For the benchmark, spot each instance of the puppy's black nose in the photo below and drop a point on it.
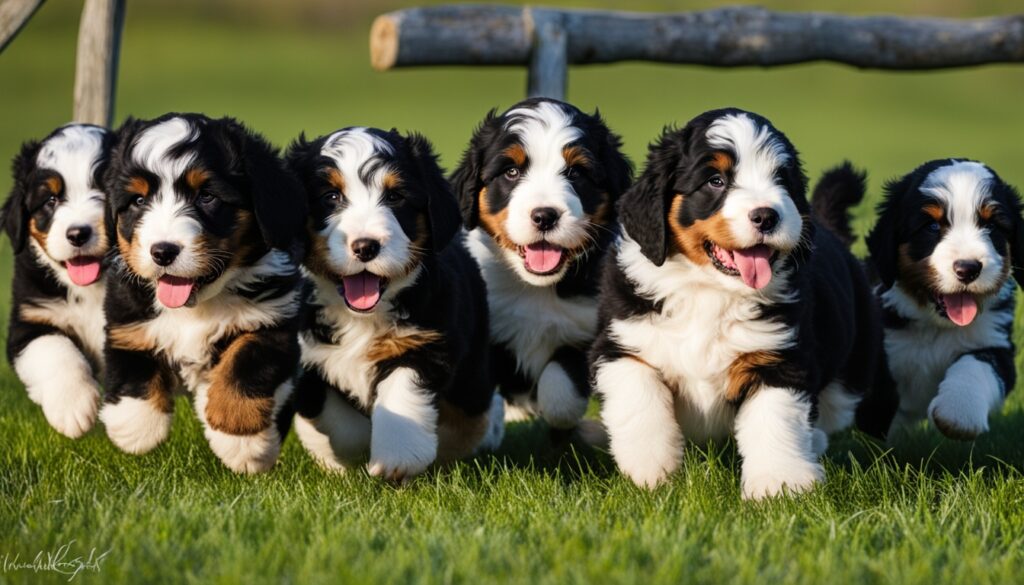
(545, 218)
(967, 270)
(78, 235)
(366, 249)
(764, 219)
(164, 253)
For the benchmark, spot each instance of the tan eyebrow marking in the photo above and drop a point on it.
(987, 210)
(576, 155)
(138, 186)
(54, 184)
(934, 210)
(516, 153)
(391, 180)
(721, 162)
(196, 178)
(335, 178)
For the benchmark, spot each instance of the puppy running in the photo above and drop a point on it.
(395, 345)
(54, 218)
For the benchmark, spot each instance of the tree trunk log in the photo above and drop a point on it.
(99, 47)
(13, 16)
(727, 37)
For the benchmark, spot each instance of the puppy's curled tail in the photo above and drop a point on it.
(839, 189)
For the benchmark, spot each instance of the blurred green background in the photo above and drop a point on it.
(285, 67)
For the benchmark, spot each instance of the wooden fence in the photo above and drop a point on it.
(548, 40)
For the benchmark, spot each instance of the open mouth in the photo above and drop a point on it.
(960, 308)
(83, 270)
(362, 291)
(543, 258)
(175, 291)
(753, 265)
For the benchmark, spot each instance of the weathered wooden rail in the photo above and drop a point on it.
(99, 43)
(548, 40)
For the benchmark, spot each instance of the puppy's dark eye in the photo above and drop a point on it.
(331, 197)
(573, 173)
(934, 227)
(716, 182)
(139, 201)
(392, 196)
(206, 198)
(512, 174)
(52, 201)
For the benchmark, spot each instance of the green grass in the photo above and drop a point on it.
(930, 511)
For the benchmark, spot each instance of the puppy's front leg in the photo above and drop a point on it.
(973, 387)
(638, 411)
(403, 435)
(59, 378)
(251, 381)
(776, 440)
(563, 389)
(138, 404)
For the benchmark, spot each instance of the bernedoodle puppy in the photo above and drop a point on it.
(727, 310)
(948, 238)
(205, 292)
(395, 346)
(54, 218)
(537, 187)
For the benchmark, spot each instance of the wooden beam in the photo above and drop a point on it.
(14, 14)
(726, 37)
(549, 68)
(99, 48)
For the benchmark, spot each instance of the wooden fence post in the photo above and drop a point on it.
(549, 55)
(13, 16)
(96, 63)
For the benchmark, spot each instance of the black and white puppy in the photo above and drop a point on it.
(394, 348)
(537, 187)
(724, 311)
(947, 240)
(207, 289)
(54, 218)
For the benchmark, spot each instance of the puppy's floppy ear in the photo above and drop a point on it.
(301, 153)
(882, 240)
(15, 212)
(467, 179)
(442, 208)
(1017, 240)
(618, 169)
(643, 209)
(278, 200)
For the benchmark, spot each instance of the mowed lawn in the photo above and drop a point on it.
(928, 511)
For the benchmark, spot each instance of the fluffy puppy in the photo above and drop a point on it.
(54, 218)
(394, 347)
(724, 311)
(207, 289)
(947, 238)
(537, 187)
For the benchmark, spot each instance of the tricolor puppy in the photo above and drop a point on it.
(394, 348)
(54, 217)
(538, 186)
(207, 289)
(948, 237)
(724, 311)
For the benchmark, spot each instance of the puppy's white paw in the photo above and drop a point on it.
(135, 426)
(558, 399)
(958, 417)
(648, 474)
(246, 453)
(71, 410)
(797, 476)
(399, 448)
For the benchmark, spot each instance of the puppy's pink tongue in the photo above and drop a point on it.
(961, 308)
(83, 270)
(362, 291)
(754, 266)
(174, 291)
(543, 257)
